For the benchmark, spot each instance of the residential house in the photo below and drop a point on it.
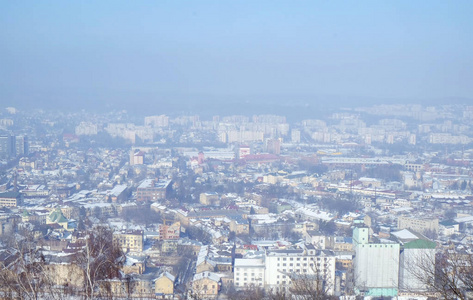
(164, 284)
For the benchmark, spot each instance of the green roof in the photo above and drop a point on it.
(420, 244)
(10, 195)
(57, 217)
(448, 223)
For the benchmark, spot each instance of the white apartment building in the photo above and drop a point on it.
(249, 272)
(157, 121)
(284, 265)
(86, 128)
(277, 269)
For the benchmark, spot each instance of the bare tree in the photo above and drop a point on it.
(314, 286)
(130, 285)
(277, 294)
(448, 274)
(100, 259)
(24, 275)
(250, 292)
(316, 282)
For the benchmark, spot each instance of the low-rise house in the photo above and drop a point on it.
(212, 199)
(239, 225)
(205, 265)
(134, 265)
(164, 284)
(343, 244)
(206, 285)
(129, 241)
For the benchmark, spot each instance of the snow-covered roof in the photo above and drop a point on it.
(405, 234)
(168, 275)
(466, 219)
(249, 262)
(118, 189)
(316, 214)
(210, 275)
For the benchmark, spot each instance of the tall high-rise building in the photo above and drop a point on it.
(295, 136)
(13, 146)
(21, 145)
(273, 146)
(6, 146)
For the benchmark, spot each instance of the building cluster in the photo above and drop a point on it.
(368, 202)
(432, 125)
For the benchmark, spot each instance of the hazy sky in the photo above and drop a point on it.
(68, 50)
